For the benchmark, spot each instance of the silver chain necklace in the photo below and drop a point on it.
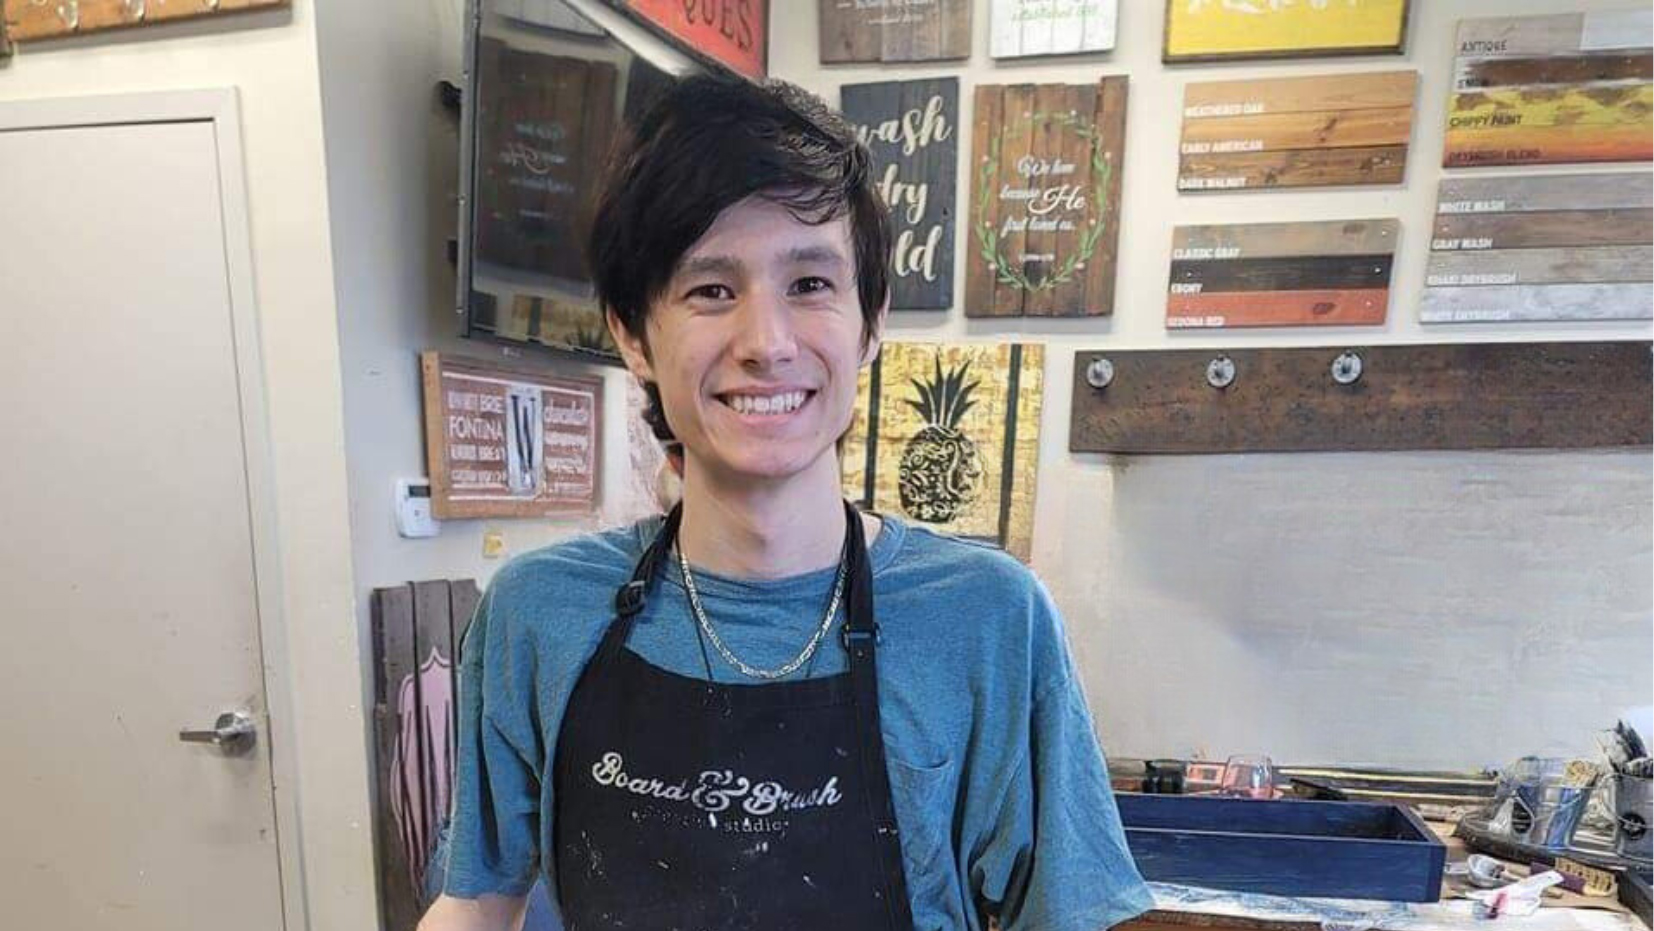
(731, 658)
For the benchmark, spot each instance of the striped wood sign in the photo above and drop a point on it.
(1552, 247)
(1573, 87)
(912, 128)
(894, 30)
(1281, 274)
(1020, 28)
(1296, 132)
(1045, 199)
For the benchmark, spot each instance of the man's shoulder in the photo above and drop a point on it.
(595, 560)
(928, 557)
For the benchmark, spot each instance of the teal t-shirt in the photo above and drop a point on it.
(998, 779)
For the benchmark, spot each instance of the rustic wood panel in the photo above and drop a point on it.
(1545, 192)
(1288, 273)
(1293, 168)
(1306, 307)
(1296, 132)
(1459, 396)
(1552, 89)
(1020, 28)
(482, 463)
(890, 30)
(394, 663)
(1549, 228)
(1259, 240)
(912, 129)
(27, 21)
(1598, 264)
(1500, 303)
(1045, 198)
(1207, 30)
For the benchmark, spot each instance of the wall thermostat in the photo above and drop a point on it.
(413, 508)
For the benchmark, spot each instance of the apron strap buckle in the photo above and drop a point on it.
(629, 599)
(849, 634)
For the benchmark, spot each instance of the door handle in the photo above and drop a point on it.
(234, 732)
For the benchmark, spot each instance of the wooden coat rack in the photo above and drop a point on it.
(32, 20)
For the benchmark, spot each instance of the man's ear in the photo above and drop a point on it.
(875, 334)
(632, 349)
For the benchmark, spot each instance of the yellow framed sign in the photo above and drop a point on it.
(1219, 30)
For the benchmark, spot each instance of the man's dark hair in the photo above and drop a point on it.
(709, 142)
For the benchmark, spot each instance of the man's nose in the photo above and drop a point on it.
(764, 332)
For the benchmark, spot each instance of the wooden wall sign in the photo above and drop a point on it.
(894, 30)
(913, 129)
(417, 632)
(1051, 27)
(501, 442)
(1045, 198)
(1574, 87)
(1296, 132)
(1217, 30)
(732, 33)
(543, 128)
(29, 20)
(1549, 247)
(1460, 396)
(1281, 274)
(948, 436)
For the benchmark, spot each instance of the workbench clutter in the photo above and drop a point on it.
(32, 20)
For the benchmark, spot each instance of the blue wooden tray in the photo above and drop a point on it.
(1346, 850)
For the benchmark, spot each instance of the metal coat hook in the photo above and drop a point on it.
(135, 9)
(1346, 369)
(69, 12)
(1220, 372)
(1100, 373)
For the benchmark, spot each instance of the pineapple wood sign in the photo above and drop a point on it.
(947, 435)
(1045, 199)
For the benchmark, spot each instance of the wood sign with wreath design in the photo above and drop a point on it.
(1045, 199)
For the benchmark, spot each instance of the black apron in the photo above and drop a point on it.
(701, 806)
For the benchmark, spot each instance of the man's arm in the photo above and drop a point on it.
(485, 913)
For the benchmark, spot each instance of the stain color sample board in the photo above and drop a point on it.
(894, 30)
(1045, 175)
(1332, 273)
(1296, 132)
(1537, 90)
(1221, 30)
(1020, 28)
(1474, 395)
(912, 128)
(1547, 247)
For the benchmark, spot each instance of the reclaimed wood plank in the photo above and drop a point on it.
(1110, 122)
(1546, 192)
(1477, 395)
(989, 111)
(1619, 227)
(1557, 145)
(848, 32)
(1503, 303)
(1016, 143)
(1289, 273)
(1070, 296)
(1020, 28)
(1263, 240)
(1313, 93)
(858, 31)
(1358, 307)
(1292, 168)
(1591, 265)
(28, 21)
(1048, 147)
(1307, 130)
(1479, 73)
(1554, 34)
(392, 622)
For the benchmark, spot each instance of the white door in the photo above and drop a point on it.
(127, 582)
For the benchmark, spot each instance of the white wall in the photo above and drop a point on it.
(1410, 609)
(271, 59)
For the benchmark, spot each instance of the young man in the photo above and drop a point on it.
(769, 711)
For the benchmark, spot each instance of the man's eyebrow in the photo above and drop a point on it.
(709, 265)
(825, 255)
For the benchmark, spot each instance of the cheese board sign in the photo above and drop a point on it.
(912, 128)
(1546, 247)
(1541, 90)
(1045, 199)
(1281, 274)
(504, 442)
(1323, 129)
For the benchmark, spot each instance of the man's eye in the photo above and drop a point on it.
(811, 285)
(714, 292)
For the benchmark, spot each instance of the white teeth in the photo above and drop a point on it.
(767, 404)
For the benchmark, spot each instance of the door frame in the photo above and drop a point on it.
(221, 109)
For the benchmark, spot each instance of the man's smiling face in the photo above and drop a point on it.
(755, 344)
